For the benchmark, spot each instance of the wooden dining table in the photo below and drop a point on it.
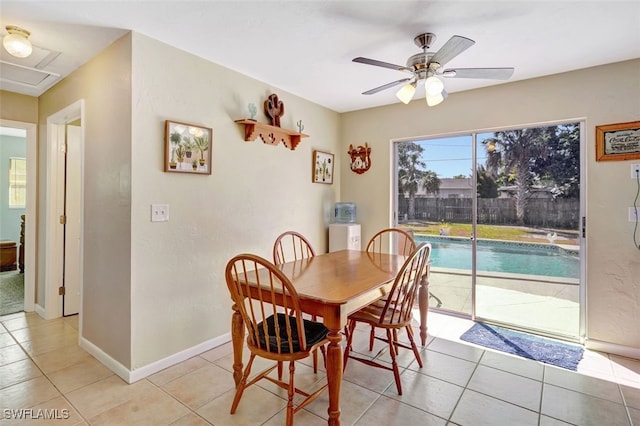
(332, 286)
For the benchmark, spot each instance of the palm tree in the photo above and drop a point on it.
(513, 153)
(412, 174)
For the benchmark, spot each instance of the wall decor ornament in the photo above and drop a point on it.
(322, 167)
(274, 108)
(618, 141)
(360, 158)
(188, 148)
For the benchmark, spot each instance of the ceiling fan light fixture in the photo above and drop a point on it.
(434, 100)
(434, 86)
(17, 42)
(406, 92)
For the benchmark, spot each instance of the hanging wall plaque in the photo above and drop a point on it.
(360, 158)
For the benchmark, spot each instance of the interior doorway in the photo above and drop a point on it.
(63, 235)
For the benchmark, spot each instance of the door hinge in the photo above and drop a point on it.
(63, 220)
(61, 290)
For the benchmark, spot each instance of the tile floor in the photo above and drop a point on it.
(43, 369)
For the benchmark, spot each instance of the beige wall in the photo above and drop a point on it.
(256, 191)
(16, 107)
(600, 95)
(105, 85)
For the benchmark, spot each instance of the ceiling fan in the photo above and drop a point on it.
(427, 66)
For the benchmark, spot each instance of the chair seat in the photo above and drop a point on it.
(314, 333)
(371, 314)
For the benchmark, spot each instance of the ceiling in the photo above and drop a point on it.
(307, 47)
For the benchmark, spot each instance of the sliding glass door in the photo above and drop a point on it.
(502, 211)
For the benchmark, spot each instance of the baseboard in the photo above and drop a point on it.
(40, 311)
(612, 348)
(131, 376)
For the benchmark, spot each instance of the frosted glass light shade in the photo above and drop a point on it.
(17, 42)
(434, 100)
(406, 92)
(434, 86)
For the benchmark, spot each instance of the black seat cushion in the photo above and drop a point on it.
(314, 333)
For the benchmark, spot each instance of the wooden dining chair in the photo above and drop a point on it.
(394, 241)
(271, 312)
(394, 314)
(288, 247)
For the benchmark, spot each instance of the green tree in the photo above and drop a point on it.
(513, 153)
(487, 185)
(412, 174)
(560, 169)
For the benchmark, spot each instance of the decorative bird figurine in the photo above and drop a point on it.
(552, 237)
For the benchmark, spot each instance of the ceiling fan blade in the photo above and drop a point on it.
(386, 86)
(488, 73)
(452, 48)
(376, 63)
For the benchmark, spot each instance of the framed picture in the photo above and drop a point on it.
(187, 148)
(322, 167)
(615, 142)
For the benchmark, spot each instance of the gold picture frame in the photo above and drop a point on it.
(322, 167)
(618, 142)
(187, 148)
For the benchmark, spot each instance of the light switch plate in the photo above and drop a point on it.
(632, 214)
(159, 212)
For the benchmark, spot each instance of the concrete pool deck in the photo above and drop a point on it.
(548, 304)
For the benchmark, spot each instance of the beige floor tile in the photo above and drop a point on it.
(303, 417)
(256, 407)
(581, 409)
(426, 393)
(372, 378)
(200, 386)
(52, 329)
(49, 343)
(28, 393)
(457, 349)
(86, 371)
(481, 410)
(387, 411)
(513, 364)
(635, 416)
(106, 394)
(168, 374)
(626, 369)
(549, 421)
(191, 419)
(508, 387)
(152, 408)
(631, 396)
(23, 320)
(12, 353)
(446, 367)
(355, 401)
(17, 372)
(6, 340)
(589, 385)
(58, 359)
(217, 353)
(73, 321)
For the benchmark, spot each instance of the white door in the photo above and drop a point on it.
(73, 185)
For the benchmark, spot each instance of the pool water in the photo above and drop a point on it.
(495, 256)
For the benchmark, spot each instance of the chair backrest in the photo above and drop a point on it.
(291, 246)
(393, 240)
(268, 303)
(399, 303)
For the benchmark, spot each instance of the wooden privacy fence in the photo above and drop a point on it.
(540, 212)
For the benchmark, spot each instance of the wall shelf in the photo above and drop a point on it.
(270, 135)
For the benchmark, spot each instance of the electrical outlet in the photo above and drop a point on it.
(635, 170)
(633, 214)
(159, 212)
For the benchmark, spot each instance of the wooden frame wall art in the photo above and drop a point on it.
(322, 167)
(616, 142)
(187, 148)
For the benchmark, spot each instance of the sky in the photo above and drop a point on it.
(451, 156)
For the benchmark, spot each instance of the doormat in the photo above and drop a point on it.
(11, 292)
(525, 345)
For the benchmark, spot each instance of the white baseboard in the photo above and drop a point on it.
(131, 376)
(40, 311)
(612, 348)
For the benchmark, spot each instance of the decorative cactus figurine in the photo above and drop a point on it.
(274, 108)
(252, 111)
(300, 126)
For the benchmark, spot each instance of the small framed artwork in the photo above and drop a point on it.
(616, 142)
(322, 167)
(187, 148)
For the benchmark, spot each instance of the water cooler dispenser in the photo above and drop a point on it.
(344, 233)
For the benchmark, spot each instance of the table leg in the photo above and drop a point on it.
(237, 337)
(334, 375)
(423, 303)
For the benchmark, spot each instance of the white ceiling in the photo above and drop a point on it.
(307, 47)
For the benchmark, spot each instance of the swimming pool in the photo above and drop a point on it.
(497, 256)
